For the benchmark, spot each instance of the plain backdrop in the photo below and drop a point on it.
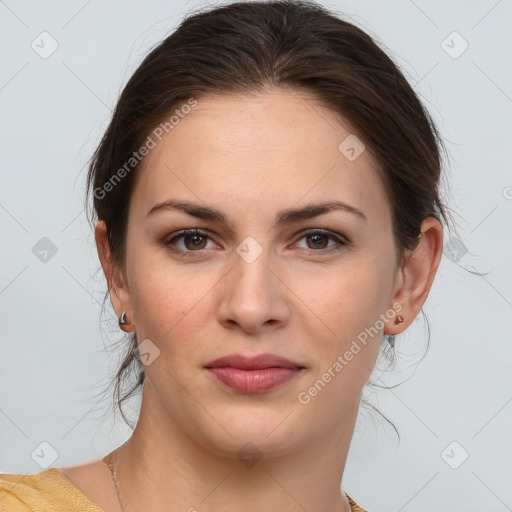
(454, 414)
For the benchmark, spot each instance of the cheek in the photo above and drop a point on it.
(344, 300)
(349, 304)
(169, 301)
(345, 354)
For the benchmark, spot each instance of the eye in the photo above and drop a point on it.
(195, 240)
(319, 238)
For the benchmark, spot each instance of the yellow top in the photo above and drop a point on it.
(51, 491)
(48, 491)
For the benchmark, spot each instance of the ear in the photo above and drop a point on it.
(415, 276)
(117, 283)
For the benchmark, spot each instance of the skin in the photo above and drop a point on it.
(251, 157)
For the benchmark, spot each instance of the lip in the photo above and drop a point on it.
(254, 374)
(257, 362)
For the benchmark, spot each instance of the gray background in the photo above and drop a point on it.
(53, 353)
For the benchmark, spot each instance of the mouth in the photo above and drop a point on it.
(254, 374)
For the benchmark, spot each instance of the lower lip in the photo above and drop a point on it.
(254, 381)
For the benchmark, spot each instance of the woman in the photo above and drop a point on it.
(268, 219)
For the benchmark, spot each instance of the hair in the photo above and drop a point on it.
(251, 47)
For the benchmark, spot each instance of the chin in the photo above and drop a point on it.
(260, 430)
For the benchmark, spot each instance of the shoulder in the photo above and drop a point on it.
(48, 490)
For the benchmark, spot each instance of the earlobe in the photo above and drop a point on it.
(417, 275)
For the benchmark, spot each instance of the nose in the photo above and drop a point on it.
(254, 295)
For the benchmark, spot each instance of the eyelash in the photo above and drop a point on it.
(341, 241)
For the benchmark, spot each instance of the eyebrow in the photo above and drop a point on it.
(283, 217)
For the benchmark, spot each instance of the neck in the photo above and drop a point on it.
(162, 467)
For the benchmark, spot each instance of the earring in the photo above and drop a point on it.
(399, 319)
(123, 322)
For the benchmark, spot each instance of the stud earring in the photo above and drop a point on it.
(123, 322)
(399, 319)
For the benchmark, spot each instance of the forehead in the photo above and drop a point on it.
(262, 152)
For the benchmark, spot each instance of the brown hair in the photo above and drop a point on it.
(246, 47)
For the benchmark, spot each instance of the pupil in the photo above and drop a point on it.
(196, 239)
(316, 237)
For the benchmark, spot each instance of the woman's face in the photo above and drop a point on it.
(262, 280)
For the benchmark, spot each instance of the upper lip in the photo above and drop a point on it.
(257, 362)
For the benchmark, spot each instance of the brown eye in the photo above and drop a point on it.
(318, 240)
(194, 240)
